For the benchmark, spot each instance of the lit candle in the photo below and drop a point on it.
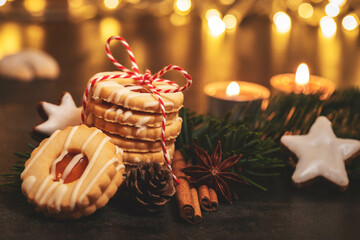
(302, 82)
(224, 96)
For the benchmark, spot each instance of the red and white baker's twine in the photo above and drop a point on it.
(142, 79)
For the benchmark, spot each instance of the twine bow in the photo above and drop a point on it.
(145, 80)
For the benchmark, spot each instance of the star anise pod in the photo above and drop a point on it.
(213, 172)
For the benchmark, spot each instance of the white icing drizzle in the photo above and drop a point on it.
(113, 107)
(69, 137)
(85, 173)
(118, 113)
(142, 121)
(41, 188)
(29, 183)
(139, 130)
(129, 97)
(151, 104)
(100, 85)
(119, 93)
(134, 87)
(57, 196)
(119, 150)
(89, 139)
(127, 114)
(38, 153)
(171, 104)
(63, 153)
(119, 167)
(71, 165)
(112, 161)
(48, 191)
(53, 165)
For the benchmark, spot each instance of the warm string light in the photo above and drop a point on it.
(340, 3)
(182, 7)
(332, 10)
(217, 26)
(306, 10)
(109, 27)
(328, 26)
(230, 21)
(111, 4)
(282, 22)
(35, 7)
(350, 22)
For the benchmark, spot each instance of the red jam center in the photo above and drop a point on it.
(76, 170)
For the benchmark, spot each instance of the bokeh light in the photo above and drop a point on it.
(111, 4)
(328, 26)
(230, 21)
(282, 22)
(332, 10)
(305, 10)
(182, 6)
(212, 13)
(340, 3)
(178, 20)
(35, 7)
(109, 26)
(2, 2)
(227, 2)
(350, 22)
(216, 26)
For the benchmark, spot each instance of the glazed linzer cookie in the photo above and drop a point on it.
(72, 173)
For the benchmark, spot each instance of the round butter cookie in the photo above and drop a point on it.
(140, 133)
(129, 94)
(72, 173)
(114, 113)
(134, 145)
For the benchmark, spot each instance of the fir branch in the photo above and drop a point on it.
(12, 178)
(236, 138)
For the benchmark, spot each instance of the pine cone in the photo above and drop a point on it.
(151, 185)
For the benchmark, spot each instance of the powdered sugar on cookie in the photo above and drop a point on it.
(59, 116)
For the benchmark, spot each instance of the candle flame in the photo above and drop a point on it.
(302, 74)
(233, 89)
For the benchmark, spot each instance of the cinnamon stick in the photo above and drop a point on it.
(183, 194)
(208, 198)
(197, 213)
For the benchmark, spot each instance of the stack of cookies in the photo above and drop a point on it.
(130, 114)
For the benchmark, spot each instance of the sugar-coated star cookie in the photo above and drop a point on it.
(58, 117)
(321, 154)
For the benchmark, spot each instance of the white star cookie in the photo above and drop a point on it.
(58, 117)
(321, 154)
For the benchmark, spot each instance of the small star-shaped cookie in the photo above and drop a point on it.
(58, 117)
(321, 154)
